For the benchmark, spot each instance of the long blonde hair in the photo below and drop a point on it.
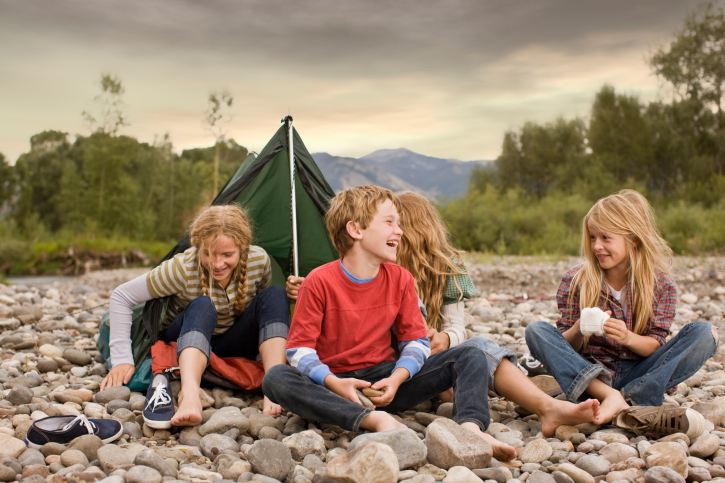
(426, 252)
(628, 214)
(215, 221)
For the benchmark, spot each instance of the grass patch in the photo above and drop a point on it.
(51, 257)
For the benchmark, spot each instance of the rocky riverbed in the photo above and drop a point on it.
(51, 367)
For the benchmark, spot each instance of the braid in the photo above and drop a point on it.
(242, 283)
(212, 223)
(203, 278)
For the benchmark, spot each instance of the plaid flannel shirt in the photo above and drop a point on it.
(603, 349)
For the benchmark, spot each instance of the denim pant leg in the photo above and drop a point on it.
(266, 316)
(494, 354)
(569, 368)
(647, 380)
(288, 387)
(461, 368)
(193, 327)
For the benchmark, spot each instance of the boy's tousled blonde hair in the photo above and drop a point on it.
(426, 252)
(628, 214)
(358, 205)
(215, 221)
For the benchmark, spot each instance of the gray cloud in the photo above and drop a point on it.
(380, 66)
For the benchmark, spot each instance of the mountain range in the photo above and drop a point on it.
(399, 170)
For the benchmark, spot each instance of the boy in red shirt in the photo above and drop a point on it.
(340, 340)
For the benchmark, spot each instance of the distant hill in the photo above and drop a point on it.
(399, 170)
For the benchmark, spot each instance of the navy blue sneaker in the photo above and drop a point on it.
(64, 429)
(531, 367)
(159, 407)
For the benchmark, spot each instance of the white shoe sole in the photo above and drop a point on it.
(114, 437)
(157, 424)
(695, 423)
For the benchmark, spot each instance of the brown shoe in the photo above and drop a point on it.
(661, 420)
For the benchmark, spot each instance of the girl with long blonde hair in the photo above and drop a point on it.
(441, 278)
(221, 301)
(624, 282)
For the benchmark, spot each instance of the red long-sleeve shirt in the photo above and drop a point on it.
(348, 323)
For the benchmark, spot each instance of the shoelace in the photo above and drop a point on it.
(654, 422)
(160, 397)
(84, 422)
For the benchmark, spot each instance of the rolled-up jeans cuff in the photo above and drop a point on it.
(584, 378)
(359, 418)
(498, 355)
(195, 339)
(273, 329)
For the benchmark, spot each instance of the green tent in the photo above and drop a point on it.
(262, 186)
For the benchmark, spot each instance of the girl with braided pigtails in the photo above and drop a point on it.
(222, 301)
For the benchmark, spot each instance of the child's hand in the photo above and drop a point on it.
(118, 376)
(389, 386)
(293, 286)
(345, 387)
(617, 331)
(439, 341)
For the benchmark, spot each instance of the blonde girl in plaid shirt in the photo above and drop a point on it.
(442, 282)
(627, 258)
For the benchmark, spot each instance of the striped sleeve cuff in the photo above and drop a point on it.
(413, 354)
(308, 363)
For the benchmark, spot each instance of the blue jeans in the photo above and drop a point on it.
(494, 353)
(460, 367)
(266, 316)
(643, 381)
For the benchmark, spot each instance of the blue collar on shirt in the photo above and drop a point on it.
(354, 278)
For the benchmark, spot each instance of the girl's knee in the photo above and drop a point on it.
(704, 330)
(536, 330)
(201, 310)
(203, 302)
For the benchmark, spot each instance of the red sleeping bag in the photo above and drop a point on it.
(231, 372)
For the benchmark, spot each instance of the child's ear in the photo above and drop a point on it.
(635, 241)
(353, 229)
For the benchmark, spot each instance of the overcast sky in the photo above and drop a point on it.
(444, 78)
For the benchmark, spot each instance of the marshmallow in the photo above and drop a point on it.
(592, 321)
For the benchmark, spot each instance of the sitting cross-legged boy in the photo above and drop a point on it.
(340, 339)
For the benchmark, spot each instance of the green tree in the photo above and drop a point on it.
(694, 64)
(38, 172)
(542, 157)
(620, 136)
(7, 182)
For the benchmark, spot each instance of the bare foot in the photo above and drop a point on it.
(564, 412)
(380, 421)
(271, 409)
(610, 407)
(446, 396)
(189, 411)
(501, 451)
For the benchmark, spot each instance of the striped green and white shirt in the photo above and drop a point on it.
(179, 277)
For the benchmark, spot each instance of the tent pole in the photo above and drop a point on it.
(290, 134)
